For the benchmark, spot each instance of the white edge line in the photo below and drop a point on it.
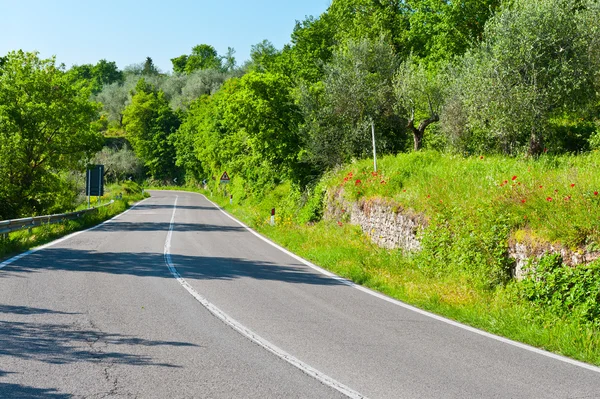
(225, 318)
(404, 305)
(58, 241)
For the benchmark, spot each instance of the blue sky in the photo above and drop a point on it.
(82, 31)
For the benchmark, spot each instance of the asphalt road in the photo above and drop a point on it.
(183, 302)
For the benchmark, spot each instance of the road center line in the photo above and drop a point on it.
(245, 331)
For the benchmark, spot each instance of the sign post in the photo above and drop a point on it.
(94, 182)
(225, 178)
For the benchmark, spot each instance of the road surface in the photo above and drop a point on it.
(174, 299)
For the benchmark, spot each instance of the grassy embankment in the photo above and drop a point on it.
(474, 206)
(23, 240)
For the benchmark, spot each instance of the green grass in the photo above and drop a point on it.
(23, 240)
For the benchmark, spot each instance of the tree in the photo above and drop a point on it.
(45, 131)
(149, 123)
(119, 163)
(149, 68)
(263, 56)
(97, 76)
(534, 64)
(312, 44)
(441, 29)
(419, 98)
(356, 92)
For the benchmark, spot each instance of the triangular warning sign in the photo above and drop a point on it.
(224, 177)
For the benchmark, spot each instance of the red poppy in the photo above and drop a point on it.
(357, 182)
(572, 185)
(541, 186)
(549, 199)
(523, 200)
(514, 178)
(595, 192)
(339, 223)
(505, 181)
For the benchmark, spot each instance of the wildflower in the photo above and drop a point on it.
(525, 217)
(523, 200)
(383, 182)
(373, 173)
(428, 196)
(343, 210)
(481, 157)
(555, 191)
(549, 199)
(572, 185)
(357, 182)
(505, 181)
(541, 186)
(403, 191)
(514, 178)
(568, 198)
(595, 192)
(340, 224)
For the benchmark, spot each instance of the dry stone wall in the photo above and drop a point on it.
(386, 223)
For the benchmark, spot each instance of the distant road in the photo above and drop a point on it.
(175, 299)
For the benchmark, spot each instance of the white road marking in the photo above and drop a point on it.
(409, 307)
(34, 250)
(245, 331)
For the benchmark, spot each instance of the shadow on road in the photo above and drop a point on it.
(153, 265)
(170, 207)
(24, 310)
(22, 391)
(158, 226)
(58, 343)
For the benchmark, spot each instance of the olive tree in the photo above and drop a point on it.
(533, 64)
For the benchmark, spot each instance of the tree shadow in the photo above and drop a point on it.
(56, 343)
(145, 264)
(154, 226)
(22, 391)
(170, 206)
(25, 310)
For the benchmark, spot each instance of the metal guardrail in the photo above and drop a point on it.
(8, 226)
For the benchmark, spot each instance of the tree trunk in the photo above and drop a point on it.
(536, 144)
(419, 132)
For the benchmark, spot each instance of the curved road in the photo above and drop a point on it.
(174, 299)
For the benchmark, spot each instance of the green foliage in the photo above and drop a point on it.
(119, 164)
(439, 30)
(150, 122)
(532, 65)
(420, 97)
(356, 91)
(263, 56)
(96, 76)
(45, 131)
(566, 291)
(204, 56)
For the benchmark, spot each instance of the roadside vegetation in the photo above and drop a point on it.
(474, 206)
(485, 117)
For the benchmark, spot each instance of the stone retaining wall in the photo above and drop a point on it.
(391, 226)
(386, 223)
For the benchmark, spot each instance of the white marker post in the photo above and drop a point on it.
(273, 217)
(374, 151)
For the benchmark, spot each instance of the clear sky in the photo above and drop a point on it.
(127, 31)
